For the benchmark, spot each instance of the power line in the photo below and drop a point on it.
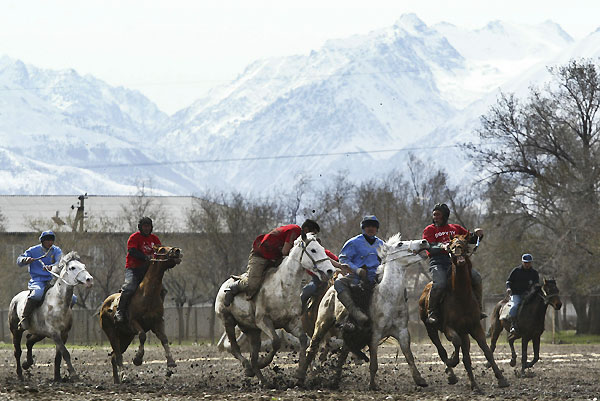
(239, 159)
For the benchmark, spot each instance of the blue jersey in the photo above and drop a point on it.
(36, 269)
(357, 253)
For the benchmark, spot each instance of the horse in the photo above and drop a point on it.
(145, 313)
(53, 318)
(276, 305)
(388, 310)
(530, 317)
(460, 317)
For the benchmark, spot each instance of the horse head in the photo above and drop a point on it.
(167, 255)
(316, 259)
(549, 292)
(410, 251)
(458, 250)
(73, 271)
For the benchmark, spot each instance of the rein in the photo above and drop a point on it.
(304, 251)
(62, 279)
(546, 297)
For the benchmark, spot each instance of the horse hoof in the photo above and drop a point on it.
(513, 362)
(138, 361)
(503, 383)
(373, 387)
(171, 364)
(419, 381)
(476, 390)
(74, 378)
(249, 372)
(452, 379)
(488, 365)
(26, 365)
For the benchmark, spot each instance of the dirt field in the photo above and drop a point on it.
(564, 372)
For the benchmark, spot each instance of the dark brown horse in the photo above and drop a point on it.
(530, 318)
(145, 311)
(460, 317)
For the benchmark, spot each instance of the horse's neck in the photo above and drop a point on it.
(61, 291)
(392, 281)
(290, 271)
(152, 282)
(461, 282)
(535, 308)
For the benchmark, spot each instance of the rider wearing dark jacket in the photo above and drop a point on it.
(438, 235)
(519, 281)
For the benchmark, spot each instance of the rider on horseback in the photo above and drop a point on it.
(359, 254)
(139, 252)
(267, 250)
(519, 281)
(40, 258)
(311, 288)
(438, 234)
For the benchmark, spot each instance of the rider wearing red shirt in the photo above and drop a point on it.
(267, 250)
(139, 252)
(438, 234)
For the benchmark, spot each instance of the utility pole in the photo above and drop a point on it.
(80, 214)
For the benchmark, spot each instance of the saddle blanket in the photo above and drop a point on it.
(504, 311)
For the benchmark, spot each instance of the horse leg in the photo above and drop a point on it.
(434, 336)
(31, 340)
(60, 340)
(299, 333)
(513, 353)
(57, 362)
(17, 335)
(234, 347)
(496, 330)
(456, 340)
(466, 347)
(139, 355)
(404, 341)
(479, 336)
(524, 343)
(373, 365)
(322, 327)
(536, 351)
(159, 331)
(255, 344)
(266, 325)
(339, 365)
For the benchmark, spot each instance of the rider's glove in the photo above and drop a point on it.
(362, 273)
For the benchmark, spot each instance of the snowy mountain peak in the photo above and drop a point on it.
(411, 23)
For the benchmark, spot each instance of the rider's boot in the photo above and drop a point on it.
(514, 328)
(122, 309)
(30, 305)
(478, 292)
(231, 292)
(435, 295)
(354, 311)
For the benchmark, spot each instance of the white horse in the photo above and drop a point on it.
(53, 318)
(276, 305)
(388, 310)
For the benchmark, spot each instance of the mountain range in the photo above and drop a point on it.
(357, 106)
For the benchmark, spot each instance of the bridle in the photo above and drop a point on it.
(64, 270)
(546, 297)
(305, 251)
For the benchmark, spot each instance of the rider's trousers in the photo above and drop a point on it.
(251, 282)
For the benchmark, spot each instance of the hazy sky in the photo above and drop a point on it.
(174, 51)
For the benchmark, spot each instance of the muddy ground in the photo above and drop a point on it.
(564, 372)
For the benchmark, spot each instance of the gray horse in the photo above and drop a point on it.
(53, 318)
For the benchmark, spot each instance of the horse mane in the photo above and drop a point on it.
(530, 295)
(68, 258)
(393, 241)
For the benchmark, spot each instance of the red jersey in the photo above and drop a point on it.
(269, 245)
(433, 233)
(142, 243)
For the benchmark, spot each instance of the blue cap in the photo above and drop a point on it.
(369, 221)
(48, 233)
(526, 258)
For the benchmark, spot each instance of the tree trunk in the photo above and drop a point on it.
(583, 322)
(180, 325)
(594, 315)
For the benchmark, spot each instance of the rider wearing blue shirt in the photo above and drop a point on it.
(48, 254)
(359, 254)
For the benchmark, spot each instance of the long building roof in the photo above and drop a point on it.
(24, 213)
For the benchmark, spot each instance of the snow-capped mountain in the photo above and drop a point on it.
(401, 87)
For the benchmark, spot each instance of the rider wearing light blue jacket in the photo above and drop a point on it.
(48, 254)
(360, 255)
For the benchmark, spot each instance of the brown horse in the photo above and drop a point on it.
(145, 311)
(530, 317)
(460, 317)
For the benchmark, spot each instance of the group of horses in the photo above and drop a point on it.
(277, 305)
